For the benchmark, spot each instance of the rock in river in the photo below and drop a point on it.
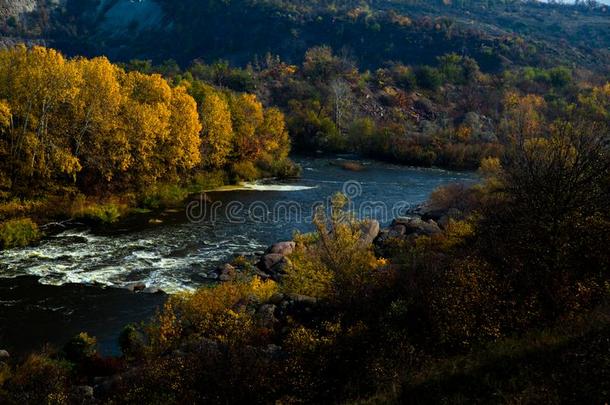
(282, 248)
(4, 355)
(370, 229)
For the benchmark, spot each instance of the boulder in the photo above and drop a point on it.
(152, 290)
(444, 221)
(266, 316)
(136, 287)
(396, 231)
(277, 298)
(262, 275)
(370, 230)
(302, 299)
(4, 355)
(273, 263)
(417, 226)
(282, 248)
(84, 392)
(226, 272)
(426, 211)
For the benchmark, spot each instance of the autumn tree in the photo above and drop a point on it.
(37, 84)
(88, 121)
(217, 135)
(97, 139)
(247, 116)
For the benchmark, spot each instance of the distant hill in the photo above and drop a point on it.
(496, 33)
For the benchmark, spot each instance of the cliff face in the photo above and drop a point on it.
(16, 8)
(42, 21)
(123, 16)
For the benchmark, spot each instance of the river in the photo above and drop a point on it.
(64, 285)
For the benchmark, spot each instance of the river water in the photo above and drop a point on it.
(58, 288)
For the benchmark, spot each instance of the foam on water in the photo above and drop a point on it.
(274, 187)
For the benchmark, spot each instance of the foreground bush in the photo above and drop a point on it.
(335, 263)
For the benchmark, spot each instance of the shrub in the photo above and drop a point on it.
(131, 341)
(335, 263)
(428, 78)
(39, 380)
(80, 347)
(244, 171)
(280, 168)
(455, 195)
(163, 196)
(219, 313)
(18, 232)
(465, 306)
(104, 213)
(18, 208)
(209, 180)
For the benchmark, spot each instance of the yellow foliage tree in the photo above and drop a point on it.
(182, 149)
(98, 141)
(61, 117)
(523, 118)
(217, 136)
(273, 134)
(247, 116)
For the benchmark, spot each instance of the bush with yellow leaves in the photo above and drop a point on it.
(224, 313)
(333, 263)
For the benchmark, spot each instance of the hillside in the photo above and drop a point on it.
(496, 34)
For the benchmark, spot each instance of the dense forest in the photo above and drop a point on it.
(492, 293)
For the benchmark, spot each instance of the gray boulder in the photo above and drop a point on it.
(282, 248)
(302, 299)
(370, 230)
(274, 263)
(396, 231)
(4, 355)
(417, 226)
(266, 316)
(136, 287)
(226, 272)
(152, 290)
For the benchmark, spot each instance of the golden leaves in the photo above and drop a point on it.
(217, 138)
(70, 115)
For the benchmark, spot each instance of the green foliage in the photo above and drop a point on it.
(164, 196)
(131, 341)
(428, 77)
(410, 31)
(97, 212)
(208, 180)
(18, 233)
